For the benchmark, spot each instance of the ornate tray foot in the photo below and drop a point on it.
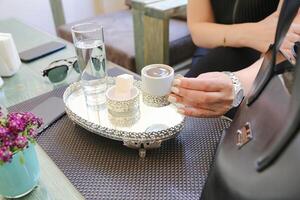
(143, 146)
(142, 153)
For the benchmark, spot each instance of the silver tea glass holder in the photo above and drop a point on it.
(123, 113)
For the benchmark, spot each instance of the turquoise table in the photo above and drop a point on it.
(28, 83)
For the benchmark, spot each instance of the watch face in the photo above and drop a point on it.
(238, 98)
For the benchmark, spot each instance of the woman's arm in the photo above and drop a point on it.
(248, 75)
(206, 33)
(210, 94)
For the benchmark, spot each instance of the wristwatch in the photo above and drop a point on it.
(238, 91)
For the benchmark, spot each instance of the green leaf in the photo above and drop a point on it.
(3, 122)
(32, 140)
(22, 158)
(25, 132)
(15, 149)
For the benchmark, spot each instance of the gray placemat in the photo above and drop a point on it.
(101, 168)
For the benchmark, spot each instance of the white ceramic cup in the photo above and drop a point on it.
(9, 58)
(156, 84)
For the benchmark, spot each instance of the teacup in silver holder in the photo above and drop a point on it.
(155, 101)
(156, 84)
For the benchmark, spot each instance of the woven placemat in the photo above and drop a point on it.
(101, 168)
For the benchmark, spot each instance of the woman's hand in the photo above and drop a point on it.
(262, 33)
(289, 41)
(208, 95)
(291, 37)
(265, 34)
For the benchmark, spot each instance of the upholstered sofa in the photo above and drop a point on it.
(119, 37)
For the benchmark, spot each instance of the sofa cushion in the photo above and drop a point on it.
(119, 38)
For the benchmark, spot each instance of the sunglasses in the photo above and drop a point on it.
(57, 71)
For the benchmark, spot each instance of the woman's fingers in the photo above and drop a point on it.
(201, 99)
(293, 37)
(198, 96)
(208, 82)
(295, 27)
(219, 105)
(186, 102)
(196, 84)
(209, 94)
(197, 112)
(204, 97)
(289, 42)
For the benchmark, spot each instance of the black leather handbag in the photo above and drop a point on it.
(258, 157)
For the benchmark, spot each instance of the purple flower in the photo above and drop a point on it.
(21, 141)
(16, 123)
(29, 118)
(16, 130)
(8, 143)
(32, 132)
(5, 154)
(3, 132)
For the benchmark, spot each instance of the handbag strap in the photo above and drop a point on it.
(288, 12)
(268, 69)
(289, 131)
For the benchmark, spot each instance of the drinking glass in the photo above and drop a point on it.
(88, 39)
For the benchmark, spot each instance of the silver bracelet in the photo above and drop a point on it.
(237, 90)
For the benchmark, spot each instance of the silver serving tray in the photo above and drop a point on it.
(156, 124)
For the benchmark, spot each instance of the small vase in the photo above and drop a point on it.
(20, 176)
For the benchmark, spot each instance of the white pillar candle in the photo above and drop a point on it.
(124, 84)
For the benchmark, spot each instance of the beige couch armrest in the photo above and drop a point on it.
(166, 8)
(151, 29)
(138, 13)
(140, 4)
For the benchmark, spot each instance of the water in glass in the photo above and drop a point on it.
(92, 62)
